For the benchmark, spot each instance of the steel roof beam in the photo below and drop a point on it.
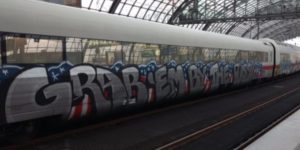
(179, 10)
(294, 15)
(288, 31)
(114, 6)
(274, 28)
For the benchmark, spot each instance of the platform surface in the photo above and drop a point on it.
(284, 136)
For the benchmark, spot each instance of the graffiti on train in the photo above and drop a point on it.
(75, 91)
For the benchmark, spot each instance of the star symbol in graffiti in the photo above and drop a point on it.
(152, 67)
(5, 72)
(62, 69)
(54, 76)
(117, 69)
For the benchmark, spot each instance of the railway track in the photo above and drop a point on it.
(197, 134)
(268, 128)
(152, 112)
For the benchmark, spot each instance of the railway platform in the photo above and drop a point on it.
(283, 136)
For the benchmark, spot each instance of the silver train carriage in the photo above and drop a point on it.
(72, 63)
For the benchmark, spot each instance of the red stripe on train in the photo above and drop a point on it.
(269, 67)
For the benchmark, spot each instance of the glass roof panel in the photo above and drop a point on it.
(212, 13)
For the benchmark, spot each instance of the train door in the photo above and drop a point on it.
(274, 59)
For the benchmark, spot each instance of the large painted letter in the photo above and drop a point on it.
(162, 86)
(83, 78)
(21, 103)
(176, 79)
(133, 86)
(108, 80)
(196, 79)
(214, 71)
(61, 95)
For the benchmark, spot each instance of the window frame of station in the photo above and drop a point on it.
(3, 48)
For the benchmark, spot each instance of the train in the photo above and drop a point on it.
(70, 63)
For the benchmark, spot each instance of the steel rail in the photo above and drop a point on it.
(268, 128)
(197, 134)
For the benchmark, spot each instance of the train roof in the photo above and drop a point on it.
(37, 17)
(283, 47)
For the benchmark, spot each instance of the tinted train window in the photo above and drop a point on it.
(223, 55)
(180, 55)
(216, 55)
(265, 57)
(33, 49)
(75, 49)
(102, 52)
(284, 57)
(197, 55)
(252, 56)
(259, 56)
(166, 52)
(127, 49)
(244, 55)
(231, 55)
(142, 53)
(206, 53)
(211, 54)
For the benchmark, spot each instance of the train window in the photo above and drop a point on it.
(244, 55)
(75, 48)
(33, 49)
(143, 53)
(216, 56)
(265, 57)
(284, 57)
(223, 55)
(231, 55)
(166, 52)
(198, 55)
(180, 55)
(102, 52)
(190, 54)
(258, 56)
(212, 54)
(127, 49)
(252, 56)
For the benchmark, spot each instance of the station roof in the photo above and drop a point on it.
(276, 19)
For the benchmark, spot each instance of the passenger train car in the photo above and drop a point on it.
(69, 63)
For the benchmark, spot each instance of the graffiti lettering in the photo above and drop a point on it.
(83, 90)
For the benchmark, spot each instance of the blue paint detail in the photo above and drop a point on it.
(185, 67)
(172, 64)
(151, 67)
(117, 67)
(8, 71)
(56, 73)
